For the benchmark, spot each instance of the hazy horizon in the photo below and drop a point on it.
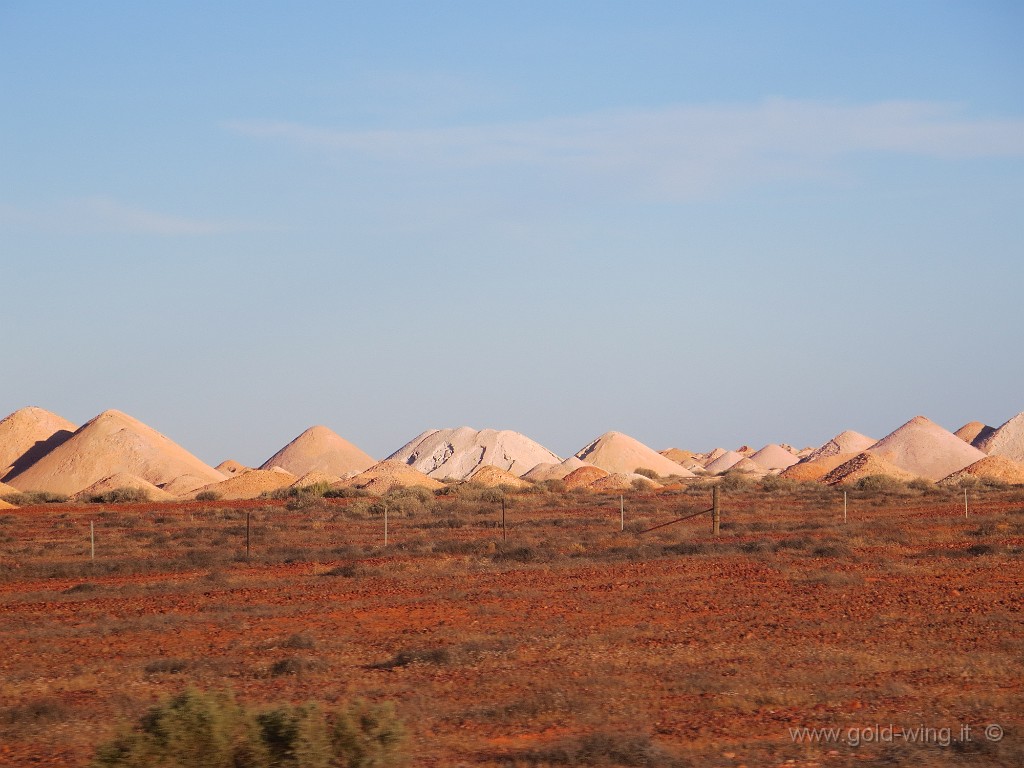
(700, 226)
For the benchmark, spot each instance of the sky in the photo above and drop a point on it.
(701, 224)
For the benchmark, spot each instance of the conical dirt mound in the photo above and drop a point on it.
(494, 477)
(322, 450)
(112, 442)
(808, 470)
(622, 481)
(456, 453)
(724, 462)
(251, 484)
(27, 435)
(230, 467)
(184, 486)
(997, 468)
(387, 475)
(865, 465)
(845, 442)
(583, 477)
(924, 449)
(974, 431)
(615, 452)
(123, 480)
(774, 457)
(1007, 440)
(549, 470)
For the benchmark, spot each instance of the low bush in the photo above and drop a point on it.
(122, 495)
(214, 731)
(645, 472)
(34, 498)
(208, 496)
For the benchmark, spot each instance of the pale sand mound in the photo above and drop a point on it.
(724, 462)
(615, 452)
(123, 480)
(990, 468)
(184, 485)
(456, 453)
(1007, 440)
(251, 484)
(686, 459)
(865, 465)
(231, 467)
(803, 453)
(27, 435)
(816, 469)
(848, 442)
(6, 505)
(315, 478)
(112, 442)
(583, 477)
(387, 475)
(774, 456)
(321, 450)
(622, 481)
(974, 431)
(923, 448)
(549, 470)
(6, 489)
(495, 477)
(712, 455)
(748, 466)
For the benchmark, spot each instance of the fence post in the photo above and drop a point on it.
(92, 541)
(716, 511)
(504, 534)
(248, 528)
(622, 514)
(965, 503)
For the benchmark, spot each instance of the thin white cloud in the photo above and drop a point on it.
(105, 215)
(678, 152)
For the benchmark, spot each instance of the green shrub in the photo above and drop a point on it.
(208, 496)
(645, 472)
(214, 731)
(33, 498)
(880, 484)
(122, 495)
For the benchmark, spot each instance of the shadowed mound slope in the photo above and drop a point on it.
(997, 468)
(865, 465)
(27, 435)
(923, 448)
(774, 456)
(973, 432)
(615, 452)
(456, 453)
(1007, 440)
(387, 475)
(110, 443)
(319, 449)
(123, 480)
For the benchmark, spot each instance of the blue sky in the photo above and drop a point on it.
(700, 224)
